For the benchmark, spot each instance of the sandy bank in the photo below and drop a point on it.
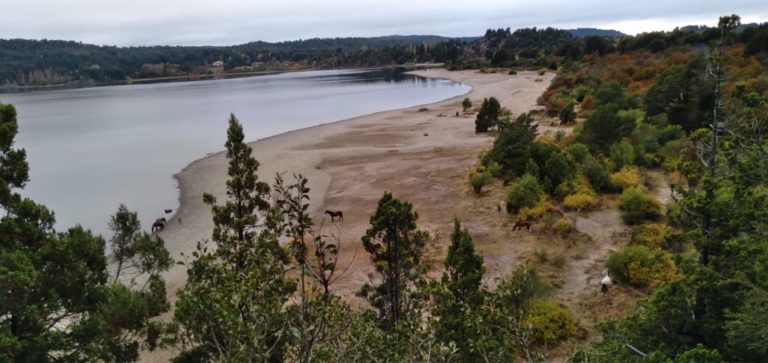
(345, 160)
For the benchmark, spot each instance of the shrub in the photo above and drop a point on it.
(637, 206)
(651, 235)
(525, 192)
(567, 115)
(622, 154)
(549, 321)
(642, 267)
(580, 202)
(543, 206)
(563, 227)
(596, 173)
(625, 178)
(479, 179)
(577, 152)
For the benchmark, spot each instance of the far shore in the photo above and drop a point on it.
(420, 154)
(190, 78)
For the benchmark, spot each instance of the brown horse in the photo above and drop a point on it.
(334, 214)
(159, 225)
(522, 224)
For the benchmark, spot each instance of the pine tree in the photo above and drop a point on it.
(395, 246)
(232, 308)
(460, 294)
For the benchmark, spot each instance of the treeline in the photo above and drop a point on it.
(26, 63)
(697, 116)
(54, 62)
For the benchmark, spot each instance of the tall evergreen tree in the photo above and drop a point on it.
(395, 246)
(460, 295)
(232, 307)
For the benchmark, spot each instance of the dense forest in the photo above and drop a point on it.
(28, 63)
(691, 104)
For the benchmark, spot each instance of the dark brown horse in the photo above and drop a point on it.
(522, 224)
(168, 210)
(159, 225)
(334, 214)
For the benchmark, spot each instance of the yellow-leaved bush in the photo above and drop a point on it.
(549, 322)
(641, 266)
(626, 177)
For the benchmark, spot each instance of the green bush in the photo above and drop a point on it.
(596, 173)
(622, 154)
(637, 206)
(576, 152)
(479, 179)
(642, 267)
(549, 322)
(524, 193)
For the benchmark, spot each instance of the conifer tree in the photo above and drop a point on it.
(460, 294)
(395, 246)
(232, 308)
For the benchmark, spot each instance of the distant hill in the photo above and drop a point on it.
(585, 32)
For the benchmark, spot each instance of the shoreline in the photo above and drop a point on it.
(292, 152)
(420, 156)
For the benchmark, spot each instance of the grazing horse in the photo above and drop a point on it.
(334, 214)
(168, 211)
(521, 225)
(606, 282)
(159, 225)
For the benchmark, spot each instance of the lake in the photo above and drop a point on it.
(91, 149)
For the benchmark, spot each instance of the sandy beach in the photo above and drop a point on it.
(419, 155)
(351, 163)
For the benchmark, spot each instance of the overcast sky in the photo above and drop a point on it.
(224, 22)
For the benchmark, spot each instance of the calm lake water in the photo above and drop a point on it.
(91, 149)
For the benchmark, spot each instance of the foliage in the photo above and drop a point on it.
(459, 295)
(581, 202)
(651, 235)
(232, 306)
(625, 178)
(605, 126)
(576, 152)
(523, 193)
(512, 147)
(637, 206)
(567, 115)
(488, 117)
(640, 266)
(395, 246)
(596, 173)
(563, 226)
(58, 301)
(550, 322)
(622, 154)
(479, 179)
(557, 170)
(466, 104)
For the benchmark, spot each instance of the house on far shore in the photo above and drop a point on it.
(218, 63)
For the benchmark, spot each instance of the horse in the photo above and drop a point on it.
(522, 224)
(168, 211)
(159, 225)
(334, 214)
(606, 282)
